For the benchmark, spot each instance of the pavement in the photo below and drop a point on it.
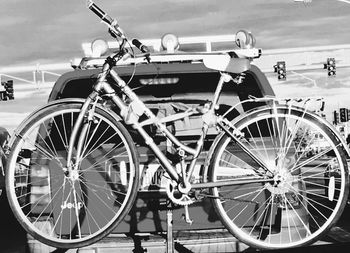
(13, 239)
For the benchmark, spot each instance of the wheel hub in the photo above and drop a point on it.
(72, 175)
(282, 182)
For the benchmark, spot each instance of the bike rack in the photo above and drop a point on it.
(169, 231)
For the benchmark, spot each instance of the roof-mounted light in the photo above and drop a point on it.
(170, 42)
(245, 39)
(99, 47)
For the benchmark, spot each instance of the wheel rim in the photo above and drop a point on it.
(287, 212)
(68, 209)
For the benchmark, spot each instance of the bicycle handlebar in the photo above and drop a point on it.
(100, 13)
(114, 28)
(140, 46)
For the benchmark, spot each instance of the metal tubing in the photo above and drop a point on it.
(149, 141)
(231, 182)
(129, 92)
(245, 149)
(169, 234)
(218, 91)
(77, 125)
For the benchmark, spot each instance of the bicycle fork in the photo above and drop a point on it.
(73, 164)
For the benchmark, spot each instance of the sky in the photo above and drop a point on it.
(52, 31)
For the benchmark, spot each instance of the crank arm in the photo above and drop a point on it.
(186, 216)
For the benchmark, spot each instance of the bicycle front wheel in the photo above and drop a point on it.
(69, 210)
(301, 193)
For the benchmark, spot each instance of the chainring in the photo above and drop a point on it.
(176, 196)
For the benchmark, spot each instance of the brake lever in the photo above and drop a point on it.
(112, 33)
(146, 56)
(115, 31)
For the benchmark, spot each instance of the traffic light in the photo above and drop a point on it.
(280, 69)
(335, 117)
(330, 66)
(8, 93)
(343, 114)
(9, 89)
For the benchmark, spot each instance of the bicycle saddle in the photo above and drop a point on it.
(223, 62)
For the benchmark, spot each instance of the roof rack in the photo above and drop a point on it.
(191, 49)
(198, 44)
(187, 44)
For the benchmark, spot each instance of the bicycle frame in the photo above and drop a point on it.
(130, 114)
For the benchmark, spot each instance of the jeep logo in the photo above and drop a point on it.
(71, 205)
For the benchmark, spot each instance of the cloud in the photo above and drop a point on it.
(7, 22)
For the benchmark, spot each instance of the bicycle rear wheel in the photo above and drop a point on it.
(307, 173)
(71, 210)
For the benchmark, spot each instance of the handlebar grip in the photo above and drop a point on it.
(100, 13)
(140, 46)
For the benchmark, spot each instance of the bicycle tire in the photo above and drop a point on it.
(308, 192)
(75, 211)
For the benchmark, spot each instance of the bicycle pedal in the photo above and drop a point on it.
(186, 216)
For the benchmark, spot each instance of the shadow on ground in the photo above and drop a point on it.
(13, 238)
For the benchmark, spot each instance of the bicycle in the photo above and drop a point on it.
(73, 171)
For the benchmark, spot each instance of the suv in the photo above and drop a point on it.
(171, 82)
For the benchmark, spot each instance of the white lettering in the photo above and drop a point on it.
(69, 205)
